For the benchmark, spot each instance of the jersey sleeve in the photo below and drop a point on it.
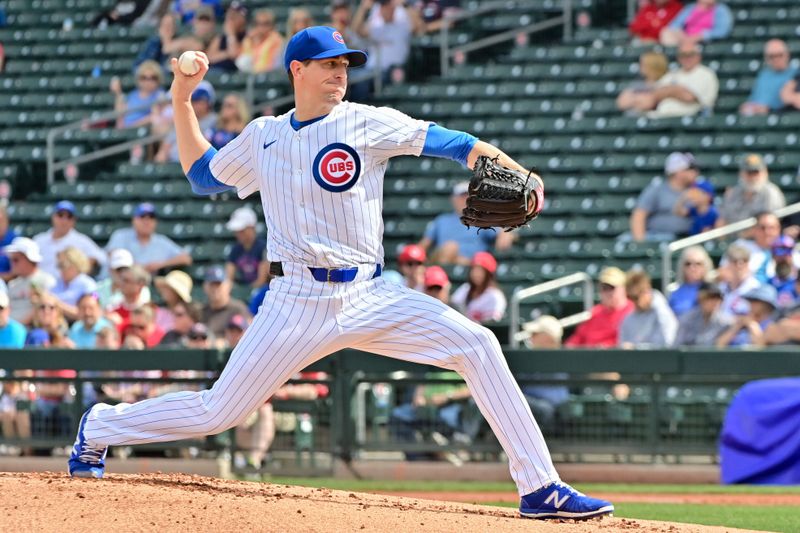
(234, 164)
(391, 133)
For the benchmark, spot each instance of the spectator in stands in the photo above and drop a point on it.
(262, 47)
(433, 12)
(140, 101)
(785, 280)
(602, 328)
(411, 263)
(154, 49)
(204, 31)
(299, 19)
(691, 89)
(90, 321)
(133, 281)
(109, 289)
(123, 12)
(152, 250)
(234, 331)
(652, 324)
(342, 19)
(73, 281)
(764, 234)
(199, 337)
(704, 20)
(29, 279)
(185, 316)
(7, 235)
(48, 323)
(765, 97)
(142, 324)
(388, 25)
(203, 99)
(12, 333)
(695, 267)
(175, 289)
(220, 307)
(785, 331)
(545, 333)
(452, 241)
(752, 195)
(15, 414)
(737, 280)
(107, 339)
(652, 17)
(63, 235)
(748, 330)
(188, 9)
(226, 47)
(233, 117)
(652, 67)
(703, 324)
(245, 263)
(480, 299)
(697, 203)
(654, 217)
(790, 93)
(437, 284)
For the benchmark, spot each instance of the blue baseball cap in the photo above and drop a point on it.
(705, 186)
(65, 205)
(783, 246)
(215, 274)
(321, 42)
(204, 91)
(145, 208)
(763, 293)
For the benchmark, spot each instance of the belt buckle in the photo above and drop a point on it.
(328, 280)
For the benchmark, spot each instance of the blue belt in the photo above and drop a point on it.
(339, 275)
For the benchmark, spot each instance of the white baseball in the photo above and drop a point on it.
(187, 63)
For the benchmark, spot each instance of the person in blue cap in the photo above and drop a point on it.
(748, 330)
(320, 172)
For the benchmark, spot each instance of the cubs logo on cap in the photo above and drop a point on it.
(338, 37)
(337, 167)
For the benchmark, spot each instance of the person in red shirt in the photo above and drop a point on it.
(652, 17)
(602, 328)
(141, 323)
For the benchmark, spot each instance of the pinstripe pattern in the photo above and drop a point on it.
(302, 320)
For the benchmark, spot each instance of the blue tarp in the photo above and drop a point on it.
(760, 442)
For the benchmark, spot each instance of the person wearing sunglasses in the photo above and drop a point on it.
(602, 328)
(142, 325)
(737, 280)
(48, 322)
(753, 194)
(694, 266)
(140, 100)
(62, 235)
(29, 279)
(411, 264)
(262, 47)
(204, 31)
(765, 97)
(759, 244)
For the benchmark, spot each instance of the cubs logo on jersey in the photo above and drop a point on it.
(337, 167)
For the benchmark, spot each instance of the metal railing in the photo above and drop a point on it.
(669, 249)
(515, 336)
(447, 53)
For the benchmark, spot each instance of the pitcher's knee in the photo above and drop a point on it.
(480, 347)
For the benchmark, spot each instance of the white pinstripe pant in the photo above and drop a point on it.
(302, 321)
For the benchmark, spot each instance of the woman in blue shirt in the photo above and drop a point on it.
(148, 91)
(233, 117)
(695, 265)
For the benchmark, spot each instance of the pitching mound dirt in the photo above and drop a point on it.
(160, 502)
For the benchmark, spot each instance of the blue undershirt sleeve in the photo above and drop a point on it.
(202, 180)
(449, 144)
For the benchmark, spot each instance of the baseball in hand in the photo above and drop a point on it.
(187, 63)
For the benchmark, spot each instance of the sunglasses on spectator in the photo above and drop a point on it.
(776, 55)
(43, 307)
(61, 265)
(413, 263)
(64, 214)
(606, 287)
(197, 337)
(739, 261)
(692, 263)
(204, 17)
(148, 78)
(137, 326)
(434, 288)
(178, 314)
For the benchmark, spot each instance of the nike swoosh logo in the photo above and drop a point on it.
(267, 145)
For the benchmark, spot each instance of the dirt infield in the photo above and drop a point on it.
(161, 502)
(760, 500)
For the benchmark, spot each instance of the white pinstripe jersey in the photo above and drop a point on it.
(322, 186)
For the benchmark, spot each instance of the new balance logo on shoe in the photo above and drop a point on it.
(553, 498)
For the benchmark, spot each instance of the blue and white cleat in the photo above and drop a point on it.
(559, 500)
(86, 460)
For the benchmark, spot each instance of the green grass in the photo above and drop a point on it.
(783, 518)
(491, 486)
